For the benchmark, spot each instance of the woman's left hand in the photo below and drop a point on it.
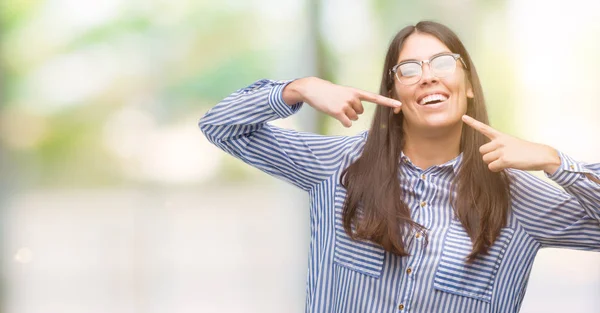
(506, 151)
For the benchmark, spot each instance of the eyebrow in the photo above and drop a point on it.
(431, 57)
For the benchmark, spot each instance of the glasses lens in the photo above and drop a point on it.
(443, 65)
(409, 73)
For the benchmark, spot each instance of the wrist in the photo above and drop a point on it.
(553, 161)
(294, 91)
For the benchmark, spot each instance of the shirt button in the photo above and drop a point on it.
(401, 307)
(572, 167)
(418, 235)
(408, 270)
(423, 176)
(423, 203)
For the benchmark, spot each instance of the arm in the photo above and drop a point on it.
(554, 217)
(238, 125)
(568, 218)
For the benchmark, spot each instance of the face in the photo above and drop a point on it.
(432, 103)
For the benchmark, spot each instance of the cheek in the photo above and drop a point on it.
(461, 84)
(402, 93)
(457, 87)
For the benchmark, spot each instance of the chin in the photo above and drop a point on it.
(442, 122)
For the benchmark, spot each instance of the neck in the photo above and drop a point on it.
(426, 148)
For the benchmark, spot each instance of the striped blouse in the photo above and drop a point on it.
(359, 276)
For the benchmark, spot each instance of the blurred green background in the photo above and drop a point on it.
(95, 94)
(113, 201)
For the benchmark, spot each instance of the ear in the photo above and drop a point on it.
(470, 93)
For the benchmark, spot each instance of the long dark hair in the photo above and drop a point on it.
(373, 206)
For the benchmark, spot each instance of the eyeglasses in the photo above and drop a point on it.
(441, 65)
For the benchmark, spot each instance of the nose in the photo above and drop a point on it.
(427, 76)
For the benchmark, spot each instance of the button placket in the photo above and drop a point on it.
(408, 279)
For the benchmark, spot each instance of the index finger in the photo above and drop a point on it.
(485, 129)
(378, 99)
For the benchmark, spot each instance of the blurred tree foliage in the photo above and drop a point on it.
(173, 59)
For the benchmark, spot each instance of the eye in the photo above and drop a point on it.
(409, 69)
(443, 64)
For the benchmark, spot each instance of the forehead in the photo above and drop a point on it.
(421, 46)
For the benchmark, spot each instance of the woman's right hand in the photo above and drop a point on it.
(340, 102)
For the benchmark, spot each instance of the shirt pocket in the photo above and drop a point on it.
(358, 255)
(454, 275)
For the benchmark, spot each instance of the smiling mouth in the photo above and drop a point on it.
(433, 99)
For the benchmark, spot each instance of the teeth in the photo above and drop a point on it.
(434, 97)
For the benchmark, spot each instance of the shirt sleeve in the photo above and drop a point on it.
(560, 218)
(239, 126)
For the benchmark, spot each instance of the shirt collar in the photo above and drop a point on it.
(454, 163)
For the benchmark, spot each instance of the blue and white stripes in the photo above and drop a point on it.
(351, 276)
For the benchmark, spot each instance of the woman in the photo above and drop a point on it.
(431, 210)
